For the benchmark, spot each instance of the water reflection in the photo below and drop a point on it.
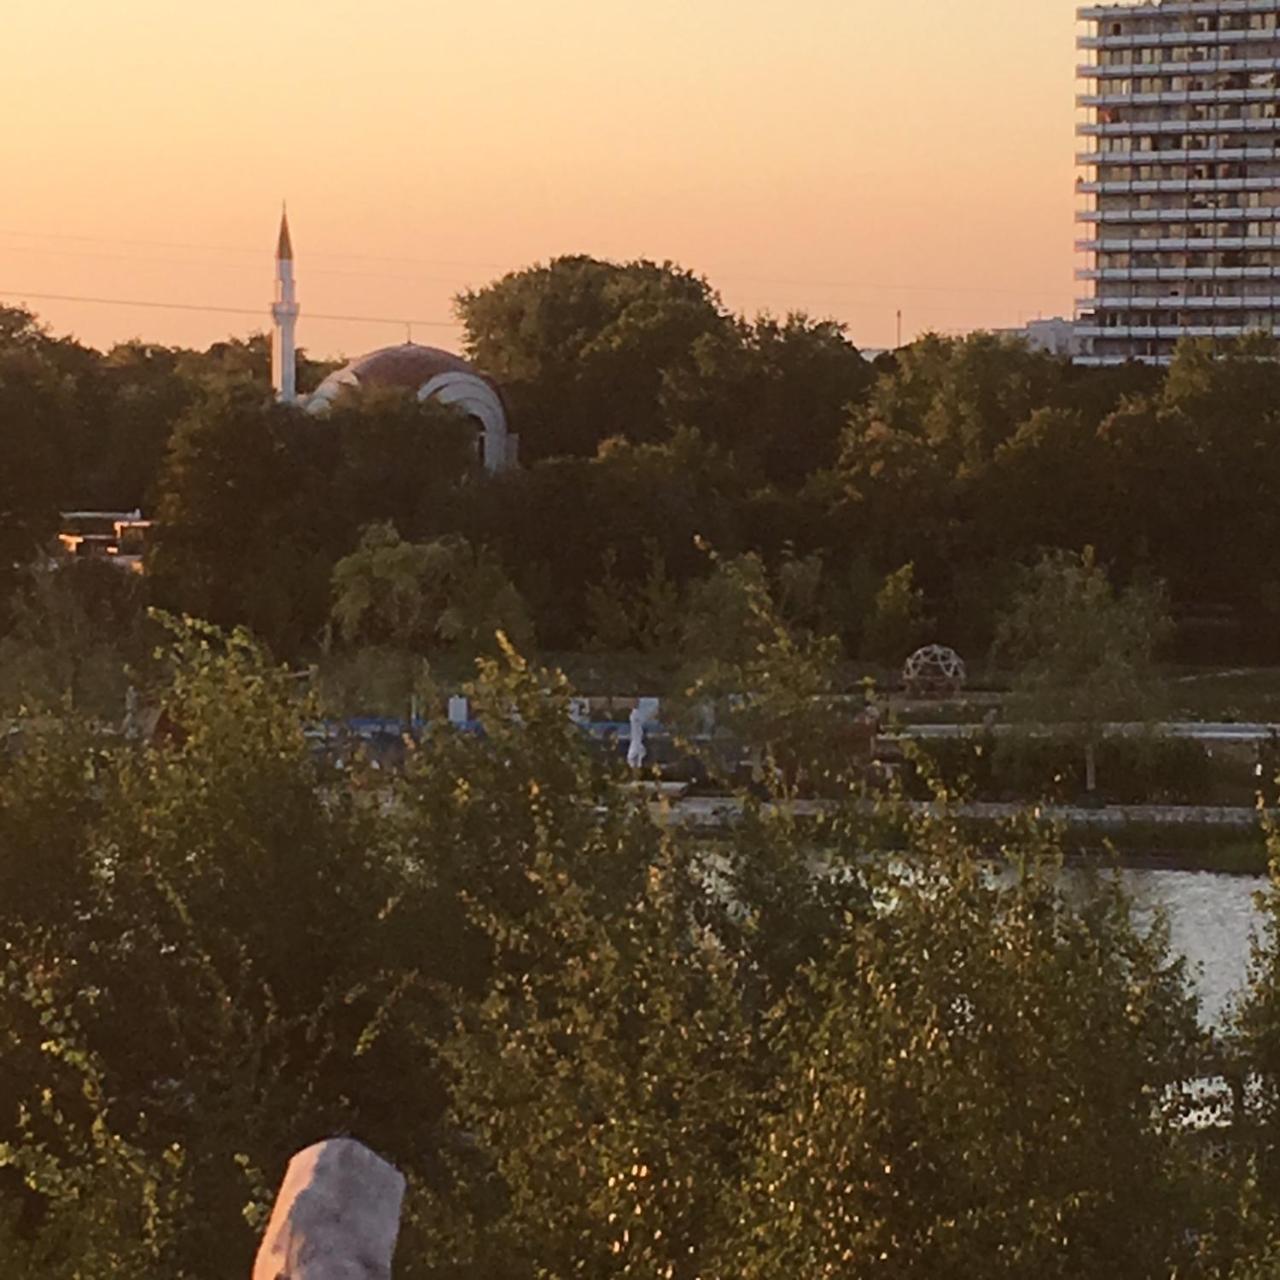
(1212, 919)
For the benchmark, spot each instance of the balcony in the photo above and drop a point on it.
(1170, 331)
(1187, 213)
(1168, 302)
(1172, 39)
(1179, 244)
(1227, 155)
(1174, 98)
(1095, 361)
(1128, 10)
(1172, 186)
(1128, 129)
(1175, 275)
(1204, 67)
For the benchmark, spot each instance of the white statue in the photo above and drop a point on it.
(336, 1217)
(637, 752)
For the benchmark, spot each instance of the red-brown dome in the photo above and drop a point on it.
(430, 373)
(408, 366)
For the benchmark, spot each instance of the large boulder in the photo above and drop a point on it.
(336, 1217)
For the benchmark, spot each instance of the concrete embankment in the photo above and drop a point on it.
(1187, 837)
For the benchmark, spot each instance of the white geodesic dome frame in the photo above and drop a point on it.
(934, 671)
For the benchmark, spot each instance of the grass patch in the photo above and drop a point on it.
(1232, 697)
(1184, 846)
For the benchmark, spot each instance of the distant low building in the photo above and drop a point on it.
(1056, 336)
(119, 537)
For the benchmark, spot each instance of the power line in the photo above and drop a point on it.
(828, 285)
(151, 304)
(255, 268)
(256, 252)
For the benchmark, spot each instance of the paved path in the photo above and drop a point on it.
(713, 812)
(1194, 730)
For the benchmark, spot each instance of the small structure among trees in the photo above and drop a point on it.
(934, 672)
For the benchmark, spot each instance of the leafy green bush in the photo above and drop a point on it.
(598, 1044)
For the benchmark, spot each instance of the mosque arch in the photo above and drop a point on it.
(431, 374)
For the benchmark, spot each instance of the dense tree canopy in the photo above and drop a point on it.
(775, 394)
(582, 347)
(434, 594)
(261, 501)
(104, 420)
(651, 417)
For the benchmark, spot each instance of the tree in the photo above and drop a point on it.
(1201, 452)
(893, 496)
(42, 425)
(775, 394)
(966, 396)
(141, 393)
(443, 593)
(105, 1206)
(259, 501)
(913, 483)
(245, 532)
(643, 616)
(584, 1075)
(764, 682)
(938, 1054)
(1255, 1044)
(234, 360)
(1045, 486)
(568, 525)
(1083, 652)
(400, 459)
(76, 628)
(607, 1076)
(897, 622)
(582, 347)
(205, 944)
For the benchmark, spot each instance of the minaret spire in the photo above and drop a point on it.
(284, 246)
(284, 311)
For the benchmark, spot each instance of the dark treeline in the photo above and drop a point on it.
(651, 418)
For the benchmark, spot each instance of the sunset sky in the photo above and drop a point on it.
(841, 157)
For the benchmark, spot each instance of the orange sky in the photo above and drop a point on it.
(842, 157)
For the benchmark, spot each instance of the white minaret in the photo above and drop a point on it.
(284, 350)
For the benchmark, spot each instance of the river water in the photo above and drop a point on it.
(1212, 921)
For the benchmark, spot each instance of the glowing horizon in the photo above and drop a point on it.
(855, 160)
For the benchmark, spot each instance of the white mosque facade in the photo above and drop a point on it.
(426, 372)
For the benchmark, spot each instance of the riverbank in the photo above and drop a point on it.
(1229, 841)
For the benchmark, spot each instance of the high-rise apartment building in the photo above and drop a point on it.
(1180, 182)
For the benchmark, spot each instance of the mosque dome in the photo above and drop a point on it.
(430, 374)
(408, 366)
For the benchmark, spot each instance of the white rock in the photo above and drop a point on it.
(336, 1217)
